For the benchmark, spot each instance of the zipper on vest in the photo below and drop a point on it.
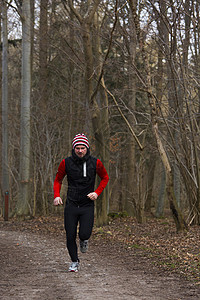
(84, 169)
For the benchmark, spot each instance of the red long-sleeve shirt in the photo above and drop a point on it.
(61, 173)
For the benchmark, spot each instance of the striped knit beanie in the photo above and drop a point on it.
(80, 139)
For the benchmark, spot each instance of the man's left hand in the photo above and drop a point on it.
(93, 196)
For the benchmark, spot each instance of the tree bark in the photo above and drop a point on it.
(131, 181)
(23, 204)
(5, 163)
(43, 89)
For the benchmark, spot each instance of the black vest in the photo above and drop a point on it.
(81, 175)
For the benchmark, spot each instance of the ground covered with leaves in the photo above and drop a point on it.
(124, 257)
(158, 241)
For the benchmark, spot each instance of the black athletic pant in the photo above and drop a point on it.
(72, 216)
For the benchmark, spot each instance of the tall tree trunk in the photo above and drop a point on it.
(163, 38)
(23, 204)
(101, 213)
(195, 207)
(43, 89)
(131, 183)
(102, 100)
(32, 31)
(5, 170)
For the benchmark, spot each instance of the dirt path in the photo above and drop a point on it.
(35, 267)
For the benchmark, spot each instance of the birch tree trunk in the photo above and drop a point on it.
(5, 171)
(23, 204)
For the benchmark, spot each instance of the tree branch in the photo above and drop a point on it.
(78, 16)
(123, 116)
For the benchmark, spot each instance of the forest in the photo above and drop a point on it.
(125, 73)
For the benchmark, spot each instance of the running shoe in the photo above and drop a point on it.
(74, 267)
(84, 246)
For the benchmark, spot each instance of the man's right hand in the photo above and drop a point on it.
(57, 201)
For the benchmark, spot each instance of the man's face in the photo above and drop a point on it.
(80, 150)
